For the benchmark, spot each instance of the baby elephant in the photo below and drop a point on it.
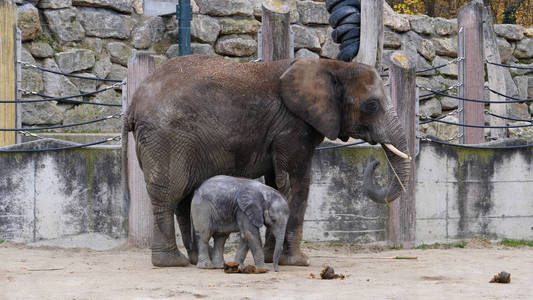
(224, 204)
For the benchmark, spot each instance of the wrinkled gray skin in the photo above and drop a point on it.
(224, 204)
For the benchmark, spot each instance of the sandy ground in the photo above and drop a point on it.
(52, 273)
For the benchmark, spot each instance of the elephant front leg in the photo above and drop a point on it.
(218, 252)
(297, 199)
(165, 253)
(240, 255)
(183, 216)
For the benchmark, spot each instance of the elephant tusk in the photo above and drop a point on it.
(397, 152)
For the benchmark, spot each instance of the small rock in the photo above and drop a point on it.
(102, 67)
(105, 23)
(524, 48)
(430, 108)
(449, 69)
(236, 45)
(204, 28)
(329, 49)
(304, 53)
(392, 40)
(395, 21)
(427, 50)
(149, 33)
(85, 85)
(305, 38)
(173, 51)
(528, 32)
(445, 132)
(421, 24)
(225, 8)
(505, 48)
(238, 25)
(445, 46)
(41, 113)
(511, 32)
(444, 27)
(28, 22)
(117, 72)
(521, 132)
(119, 52)
(31, 78)
(41, 50)
(54, 4)
(124, 6)
(204, 49)
(74, 60)
(64, 24)
(312, 12)
(57, 85)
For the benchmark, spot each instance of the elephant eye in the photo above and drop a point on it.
(370, 106)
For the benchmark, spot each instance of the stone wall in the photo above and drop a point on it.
(96, 37)
(433, 42)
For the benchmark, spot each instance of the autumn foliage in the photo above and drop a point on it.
(503, 11)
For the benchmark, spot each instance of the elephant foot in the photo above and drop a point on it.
(219, 264)
(294, 259)
(193, 256)
(205, 264)
(169, 259)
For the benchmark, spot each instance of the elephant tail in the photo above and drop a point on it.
(192, 241)
(126, 128)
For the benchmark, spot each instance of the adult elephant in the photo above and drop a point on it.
(196, 117)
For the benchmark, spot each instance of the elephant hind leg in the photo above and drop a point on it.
(165, 253)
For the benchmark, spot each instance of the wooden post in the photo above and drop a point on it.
(371, 46)
(8, 22)
(275, 31)
(402, 212)
(18, 83)
(496, 76)
(472, 77)
(140, 207)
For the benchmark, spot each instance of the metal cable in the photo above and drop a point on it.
(509, 97)
(480, 101)
(509, 66)
(338, 146)
(430, 139)
(116, 138)
(481, 126)
(26, 64)
(507, 118)
(67, 98)
(116, 116)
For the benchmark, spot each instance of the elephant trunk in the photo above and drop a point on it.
(280, 238)
(399, 168)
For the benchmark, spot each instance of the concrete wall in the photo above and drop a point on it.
(54, 194)
(461, 193)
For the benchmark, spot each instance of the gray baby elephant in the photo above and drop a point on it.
(224, 204)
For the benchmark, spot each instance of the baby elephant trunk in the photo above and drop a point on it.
(280, 237)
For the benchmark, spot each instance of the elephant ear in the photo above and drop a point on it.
(308, 90)
(251, 203)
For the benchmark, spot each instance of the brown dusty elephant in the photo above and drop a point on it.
(196, 117)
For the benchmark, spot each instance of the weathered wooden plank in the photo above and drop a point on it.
(496, 76)
(140, 208)
(402, 212)
(371, 46)
(275, 31)
(473, 76)
(8, 21)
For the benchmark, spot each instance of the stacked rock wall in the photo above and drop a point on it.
(433, 41)
(96, 37)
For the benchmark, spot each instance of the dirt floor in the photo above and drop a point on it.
(371, 273)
